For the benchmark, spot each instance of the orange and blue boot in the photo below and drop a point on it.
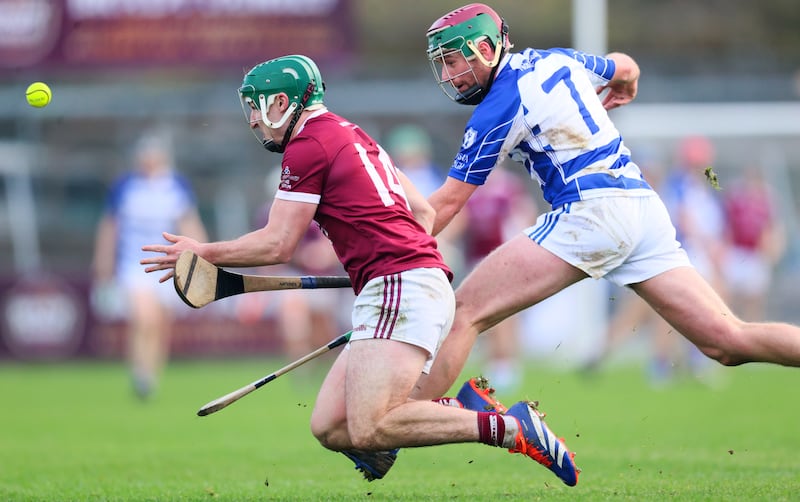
(538, 442)
(477, 395)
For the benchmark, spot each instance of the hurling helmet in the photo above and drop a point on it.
(296, 76)
(458, 32)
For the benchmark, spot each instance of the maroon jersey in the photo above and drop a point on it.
(362, 207)
(488, 212)
(749, 213)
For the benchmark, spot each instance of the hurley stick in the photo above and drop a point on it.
(199, 282)
(227, 399)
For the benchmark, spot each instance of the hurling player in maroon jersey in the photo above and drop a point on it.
(379, 225)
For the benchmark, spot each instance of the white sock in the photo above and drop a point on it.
(512, 429)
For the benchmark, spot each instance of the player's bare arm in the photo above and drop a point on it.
(270, 245)
(448, 200)
(105, 249)
(624, 85)
(192, 225)
(423, 211)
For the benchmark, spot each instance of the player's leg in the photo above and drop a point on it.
(148, 339)
(329, 424)
(329, 419)
(685, 300)
(660, 272)
(381, 384)
(380, 376)
(393, 343)
(518, 274)
(380, 416)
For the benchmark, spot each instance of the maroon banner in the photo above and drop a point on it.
(170, 33)
(46, 317)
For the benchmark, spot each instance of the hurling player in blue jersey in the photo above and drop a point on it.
(547, 110)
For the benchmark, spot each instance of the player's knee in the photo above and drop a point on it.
(321, 433)
(324, 430)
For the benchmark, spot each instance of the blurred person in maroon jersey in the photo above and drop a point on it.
(492, 215)
(306, 319)
(756, 241)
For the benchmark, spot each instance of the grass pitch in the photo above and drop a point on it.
(74, 431)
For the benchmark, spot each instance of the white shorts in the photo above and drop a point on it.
(623, 239)
(747, 272)
(134, 278)
(416, 306)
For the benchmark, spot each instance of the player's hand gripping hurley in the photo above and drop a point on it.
(199, 282)
(227, 399)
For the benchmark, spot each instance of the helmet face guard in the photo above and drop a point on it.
(295, 76)
(453, 43)
(441, 61)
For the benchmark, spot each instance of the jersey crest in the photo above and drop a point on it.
(287, 178)
(469, 138)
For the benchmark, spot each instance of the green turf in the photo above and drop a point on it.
(74, 432)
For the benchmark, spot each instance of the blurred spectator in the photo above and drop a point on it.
(696, 208)
(756, 241)
(411, 150)
(143, 202)
(306, 319)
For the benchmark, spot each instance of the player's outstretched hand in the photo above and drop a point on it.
(169, 254)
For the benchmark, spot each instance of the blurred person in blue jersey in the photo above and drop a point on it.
(143, 201)
(411, 148)
(696, 211)
(548, 110)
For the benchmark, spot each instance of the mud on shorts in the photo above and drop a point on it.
(623, 239)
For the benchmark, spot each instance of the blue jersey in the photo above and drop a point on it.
(143, 207)
(543, 111)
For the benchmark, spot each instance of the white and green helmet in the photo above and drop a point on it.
(296, 76)
(459, 32)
